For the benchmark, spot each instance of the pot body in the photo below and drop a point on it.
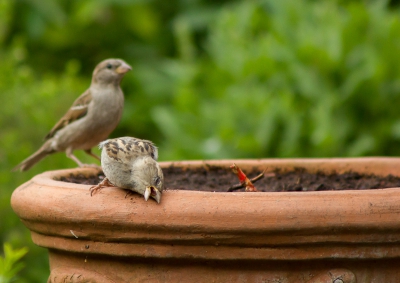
(192, 236)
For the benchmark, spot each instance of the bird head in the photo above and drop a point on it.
(110, 71)
(148, 178)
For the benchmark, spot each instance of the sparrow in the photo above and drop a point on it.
(131, 163)
(91, 118)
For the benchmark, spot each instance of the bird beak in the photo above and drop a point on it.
(123, 68)
(153, 192)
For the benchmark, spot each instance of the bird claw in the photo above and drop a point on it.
(99, 186)
(95, 189)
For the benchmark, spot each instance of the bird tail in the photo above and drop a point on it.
(33, 159)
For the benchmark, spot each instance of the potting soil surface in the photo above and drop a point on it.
(218, 179)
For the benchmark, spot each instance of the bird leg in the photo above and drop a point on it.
(70, 155)
(89, 151)
(153, 192)
(99, 186)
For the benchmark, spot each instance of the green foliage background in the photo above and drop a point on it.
(211, 79)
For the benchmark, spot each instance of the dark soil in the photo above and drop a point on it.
(217, 179)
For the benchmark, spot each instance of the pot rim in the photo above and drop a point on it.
(194, 224)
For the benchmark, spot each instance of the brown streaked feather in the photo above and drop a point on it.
(126, 148)
(78, 110)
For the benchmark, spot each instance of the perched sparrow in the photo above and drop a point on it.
(91, 118)
(131, 163)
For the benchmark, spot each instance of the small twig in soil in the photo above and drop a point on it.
(244, 181)
(243, 178)
(240, 186)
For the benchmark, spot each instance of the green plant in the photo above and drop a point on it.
(10, 264)
(285, 79)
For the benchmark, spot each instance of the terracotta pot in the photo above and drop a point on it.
(192, 236)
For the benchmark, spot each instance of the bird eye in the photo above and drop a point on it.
(157, 180)
(109, 66)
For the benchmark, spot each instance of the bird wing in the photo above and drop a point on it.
(127, 149)
(78, 110)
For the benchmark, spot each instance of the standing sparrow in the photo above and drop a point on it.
(131, 163)
(91, 118)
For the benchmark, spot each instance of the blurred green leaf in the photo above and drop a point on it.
(9, 264)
